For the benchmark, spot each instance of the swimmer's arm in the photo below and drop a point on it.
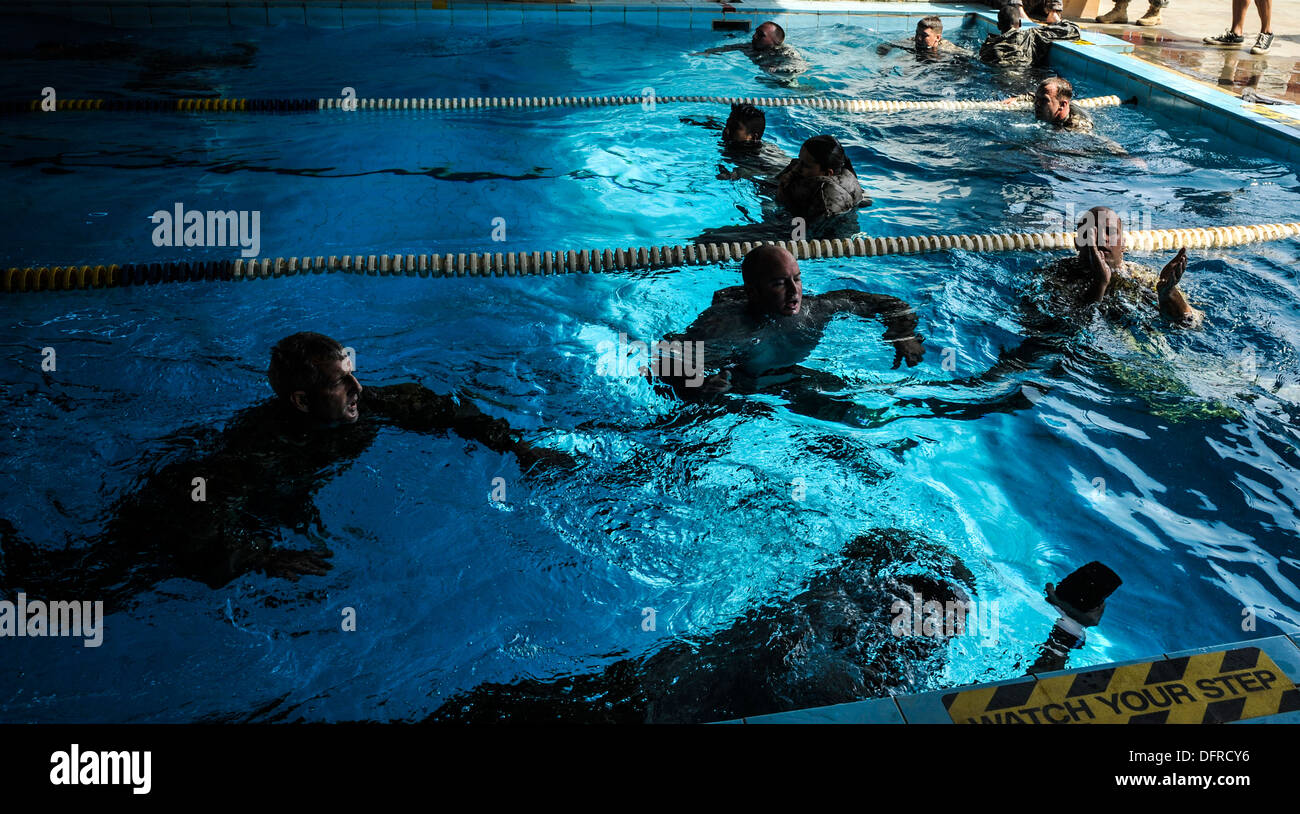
(899, 319)
(709, 123)
(722, 49)
(414, 407)
(695, 383)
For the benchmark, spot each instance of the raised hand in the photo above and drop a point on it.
(1172, 274)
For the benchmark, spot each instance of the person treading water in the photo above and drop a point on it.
(755, 336)
(1017, 47)
(742, 143)
(259, 477)
(768, 50)
(1099, 274)
(928, 43)
(820, 187)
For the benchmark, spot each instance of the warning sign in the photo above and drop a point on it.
(1206, 688)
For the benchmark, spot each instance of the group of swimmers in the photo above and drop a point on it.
(261, 475)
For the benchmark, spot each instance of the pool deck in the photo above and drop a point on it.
(1176, 44)
(1231, 683)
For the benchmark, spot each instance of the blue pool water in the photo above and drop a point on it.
(694, 518)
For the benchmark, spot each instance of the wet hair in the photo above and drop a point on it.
(1009, 16)
(1064, 90)
(828, 154)
(296, 361)
(780, 32)
(930, 23)
(753, 119)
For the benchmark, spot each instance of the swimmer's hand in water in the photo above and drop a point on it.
(909, 348)
(725, 174)
(292, 565)
(1088, 618)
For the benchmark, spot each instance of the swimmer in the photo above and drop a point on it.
(820, 183)
(259, 478)
(1053, 105)
(1099, 275)
(820, 187)
(928, 42)
(742, 142)
(768, 50)
(755, 336)
(1016, 47)
(832, 643)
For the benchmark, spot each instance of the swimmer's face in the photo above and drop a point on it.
(1106, 233)
(809, 168)
(336, 402)
(764, 37)
(927, 39)
(779, 291)
(1049, 107)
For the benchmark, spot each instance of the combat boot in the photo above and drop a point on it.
(1119, 14)
(1152, 17)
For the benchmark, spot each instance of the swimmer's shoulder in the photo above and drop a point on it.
(1079, 121)
(730, 294)
(1065, 268)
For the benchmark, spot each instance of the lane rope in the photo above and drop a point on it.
(599, 261)
(483, 102)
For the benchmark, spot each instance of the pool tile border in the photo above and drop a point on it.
(928, 707)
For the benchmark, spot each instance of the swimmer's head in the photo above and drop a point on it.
(745, 125)
(822, 155)
(1052, 100)
(1101, 227)
(1009, 16)
(929, 32)
(767, 36)
(772, 283)
(313, 374)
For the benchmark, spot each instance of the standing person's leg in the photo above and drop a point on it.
(1239, 15)
(1152, 16)
(1265, 39)
(1232, 38)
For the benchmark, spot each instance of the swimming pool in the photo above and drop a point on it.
(690, 516)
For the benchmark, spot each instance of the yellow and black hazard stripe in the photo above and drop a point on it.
(1217, 687)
